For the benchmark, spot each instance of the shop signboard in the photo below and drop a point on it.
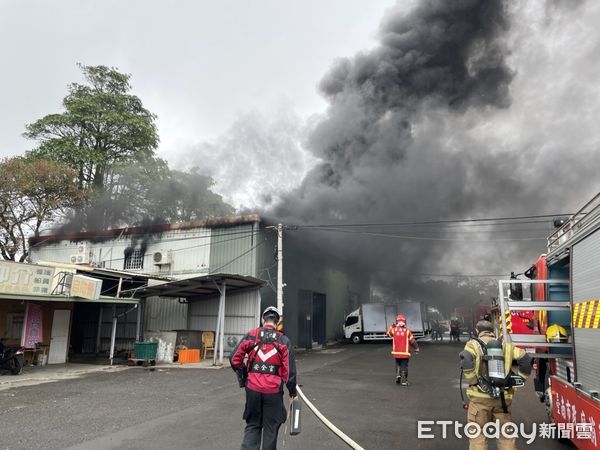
(86, 287)
(19, 278)
(33, 327)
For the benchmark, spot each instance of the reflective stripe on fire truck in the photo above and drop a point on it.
(586, 314)
(508, 319)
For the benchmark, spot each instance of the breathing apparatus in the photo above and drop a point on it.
(492, 379)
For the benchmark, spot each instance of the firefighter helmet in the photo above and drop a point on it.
(556, 333)
(400, 319)
(272, 311)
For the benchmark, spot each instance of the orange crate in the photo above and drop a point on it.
(191, 355)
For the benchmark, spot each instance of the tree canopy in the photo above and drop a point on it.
(109, 139)
(103, 125)
(33, 193)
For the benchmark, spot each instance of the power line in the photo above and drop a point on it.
(447, 275)
(424, 238)
(442, 221)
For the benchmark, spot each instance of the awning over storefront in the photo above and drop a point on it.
(66, 298)
(206, 287)
(132, 302)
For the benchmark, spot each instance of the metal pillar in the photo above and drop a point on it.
(99, 332)
(280, 268)
(219, 333)
(222, 338)
(258, 311)
(138, 324)
(505, 335)
(113, 334)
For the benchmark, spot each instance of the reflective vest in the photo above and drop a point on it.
(402, 339)
(511, 353)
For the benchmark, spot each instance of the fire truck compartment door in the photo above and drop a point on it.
(585, 266)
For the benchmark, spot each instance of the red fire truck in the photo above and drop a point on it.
(565, 291)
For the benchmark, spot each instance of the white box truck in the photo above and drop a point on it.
(371, 320)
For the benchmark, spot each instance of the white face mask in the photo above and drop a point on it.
(401, 324)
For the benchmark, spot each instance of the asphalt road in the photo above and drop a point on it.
(352, 385)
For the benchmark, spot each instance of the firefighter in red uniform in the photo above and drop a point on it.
(264, 361)
(402, 341)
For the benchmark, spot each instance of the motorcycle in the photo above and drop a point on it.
(11, 359)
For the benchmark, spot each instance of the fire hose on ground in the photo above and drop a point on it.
(327, 423)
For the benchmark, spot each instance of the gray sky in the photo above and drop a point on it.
(196, 64)
(237, 80)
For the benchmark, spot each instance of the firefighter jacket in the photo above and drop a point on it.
(265, 364)
(516, 360)
(402, 341)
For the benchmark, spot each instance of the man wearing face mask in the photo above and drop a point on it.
(402, 342)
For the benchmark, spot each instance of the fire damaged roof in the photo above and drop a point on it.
(99, 235)
(202, 286)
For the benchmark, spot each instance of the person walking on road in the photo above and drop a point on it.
(264, 362)
(402, 341)
(487, 367)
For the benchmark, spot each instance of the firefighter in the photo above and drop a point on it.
(402, 341)
(487, 367)
(264, 362)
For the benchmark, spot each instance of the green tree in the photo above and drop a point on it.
(33, 193)
(109, 139)
(102, 128)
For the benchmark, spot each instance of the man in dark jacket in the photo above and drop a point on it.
(264, 362)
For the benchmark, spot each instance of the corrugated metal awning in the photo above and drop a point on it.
(202, 286)
(64, 298)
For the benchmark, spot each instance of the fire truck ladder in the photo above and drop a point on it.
(532, 343)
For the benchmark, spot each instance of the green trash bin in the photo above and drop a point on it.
(145, 350)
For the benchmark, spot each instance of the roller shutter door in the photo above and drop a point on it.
(585, 266)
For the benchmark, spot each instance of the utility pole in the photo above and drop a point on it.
(280, 268)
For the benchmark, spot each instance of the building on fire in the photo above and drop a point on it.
(319, 289)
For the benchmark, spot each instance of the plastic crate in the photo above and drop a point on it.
(145, 350)
(191, 355)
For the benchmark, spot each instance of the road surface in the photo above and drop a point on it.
(352, 385)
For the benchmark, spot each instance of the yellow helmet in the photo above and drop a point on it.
(556, 333)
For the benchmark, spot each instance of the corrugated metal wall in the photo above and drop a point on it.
(189, 251)
(241, 314)
(231, 249)
(165, 314)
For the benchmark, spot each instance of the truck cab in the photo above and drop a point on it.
(353, 327)
(371, 321)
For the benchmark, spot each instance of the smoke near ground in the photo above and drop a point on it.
(465, 109)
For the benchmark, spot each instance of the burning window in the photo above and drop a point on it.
(134, 259)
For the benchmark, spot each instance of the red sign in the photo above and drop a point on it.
(33, 327)
(576, 414)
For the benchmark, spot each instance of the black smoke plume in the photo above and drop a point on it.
(396, 145)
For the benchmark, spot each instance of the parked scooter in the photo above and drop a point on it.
(11, 359)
